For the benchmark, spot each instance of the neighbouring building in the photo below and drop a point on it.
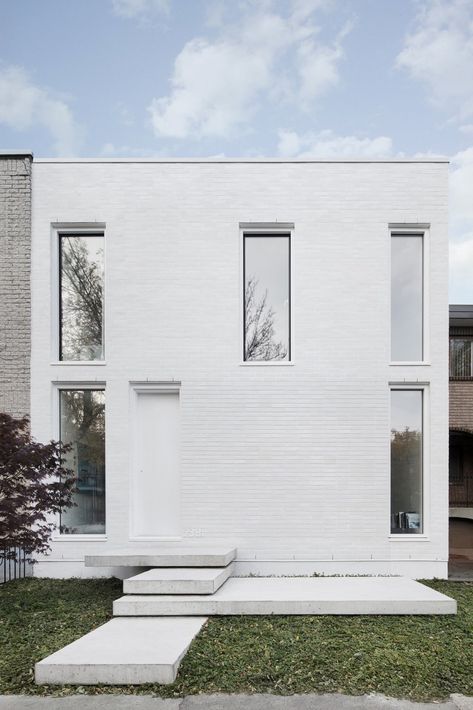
(15, 269)
(461, 435)
(248, 351)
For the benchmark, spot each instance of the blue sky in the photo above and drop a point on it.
(321, 78)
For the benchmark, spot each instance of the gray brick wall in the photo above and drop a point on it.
(15, 267)
(461, 405)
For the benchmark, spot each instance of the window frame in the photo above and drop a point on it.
(424, 536)
(269, 229)
(57, 387)
(82, 229)
(406, 230)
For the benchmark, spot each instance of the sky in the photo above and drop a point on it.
(248, 78)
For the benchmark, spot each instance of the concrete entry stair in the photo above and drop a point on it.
(178, 580)
(122, 652)
(297, 595)
(166, 555)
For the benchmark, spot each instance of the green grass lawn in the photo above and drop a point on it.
(418, 657)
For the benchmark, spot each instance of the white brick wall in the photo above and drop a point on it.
(289, 463)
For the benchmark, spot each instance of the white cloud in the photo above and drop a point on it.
(461, 271)
(326, 144)
(439, 53)
(140, 8)
(461, 227)
(318, 65)
(461, 192)
(23, 105)
(218, 85)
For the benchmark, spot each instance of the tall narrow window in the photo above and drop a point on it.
(267, 306)
(81, 267)
(406, 461)
(407, 296)
(82, 421)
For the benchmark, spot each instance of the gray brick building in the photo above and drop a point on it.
(15, 269)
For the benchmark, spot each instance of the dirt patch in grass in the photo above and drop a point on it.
(418, 657)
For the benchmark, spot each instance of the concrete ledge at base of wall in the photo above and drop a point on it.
(333, 701)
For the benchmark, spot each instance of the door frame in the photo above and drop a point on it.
(136, 389)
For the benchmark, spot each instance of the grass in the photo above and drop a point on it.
(423, 658)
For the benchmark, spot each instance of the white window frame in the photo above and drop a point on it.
(266, 229)
(415, 230)
(424, 387)
(59, 229)
(56, 428)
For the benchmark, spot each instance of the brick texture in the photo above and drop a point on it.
(15, 299)
(288, 463)
(461, 405)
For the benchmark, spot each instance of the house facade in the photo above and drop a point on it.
(461, 436)
(248, 351)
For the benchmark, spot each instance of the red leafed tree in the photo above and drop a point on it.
(33, 484)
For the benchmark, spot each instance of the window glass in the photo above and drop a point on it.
(81, 297)
(406, 461)
(82, 421)
(406, 298)
(460, 358)
(267, 297)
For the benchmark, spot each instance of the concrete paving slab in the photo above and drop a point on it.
(297, 595)
(87, 702)
(462, 702)
(122, 652)
(165, 555)
(225, 702)
(178, 580)
(333, 701)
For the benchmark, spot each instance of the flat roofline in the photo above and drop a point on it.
(10, 153)
(241, 160)
(461, 315)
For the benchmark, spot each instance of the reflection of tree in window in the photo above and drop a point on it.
(406, 478)
(260, 342)
(83, 426)
(81, 298)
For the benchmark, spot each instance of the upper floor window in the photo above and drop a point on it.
(81, 296)
(267, 304)
(407, 297)
(461, 364)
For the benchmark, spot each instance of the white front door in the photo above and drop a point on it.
(155, 484)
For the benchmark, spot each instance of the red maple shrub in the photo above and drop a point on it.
(33, 485)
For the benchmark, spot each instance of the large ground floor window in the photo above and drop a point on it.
(406, 461)
(82, 424)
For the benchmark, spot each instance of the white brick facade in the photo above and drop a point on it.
(291, 462)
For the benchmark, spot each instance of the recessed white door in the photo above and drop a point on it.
(155, 485)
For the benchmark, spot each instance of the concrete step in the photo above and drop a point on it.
(178, 580)
(122, 652)
(297, 595)
(165, 555)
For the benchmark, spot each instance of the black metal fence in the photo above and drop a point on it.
(461, 492)
(13, 569)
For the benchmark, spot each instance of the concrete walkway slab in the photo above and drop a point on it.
(178, 580)
(333, 701)
(297, 595)
(122, 652)
(166, 555)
